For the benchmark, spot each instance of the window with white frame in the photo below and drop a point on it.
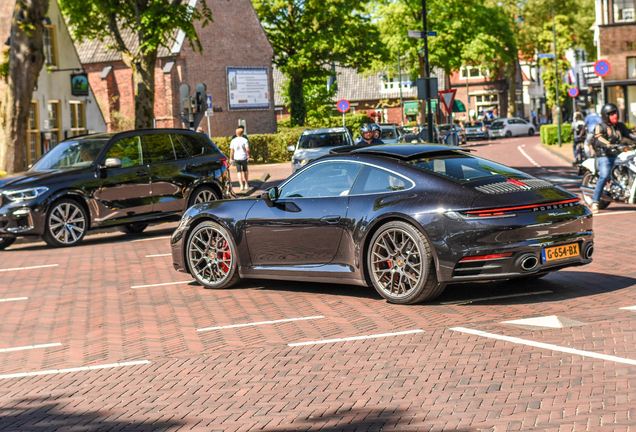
(50, 50)
(78, 118)
(393, 84)
(623, 10)
(473, 72)
(631, 67)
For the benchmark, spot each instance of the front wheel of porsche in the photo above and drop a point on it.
(212, 256)
(401, 266)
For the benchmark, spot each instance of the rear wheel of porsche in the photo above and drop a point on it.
(211, 255)
(401, 266)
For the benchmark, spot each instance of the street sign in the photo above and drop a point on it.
(447, 97)
(573, 92)
(343, 105)
(431, 33)
(210, 110)
(415, 34)
(545, 56)
(420, 83)
(602, 68)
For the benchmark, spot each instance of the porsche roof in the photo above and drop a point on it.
(400, 151)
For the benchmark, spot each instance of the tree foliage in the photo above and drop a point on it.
(153, 24)
(308, 35)
(565, 40)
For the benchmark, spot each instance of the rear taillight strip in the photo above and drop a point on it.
(533, 207)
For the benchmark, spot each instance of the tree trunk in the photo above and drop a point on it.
(512, 89)
(297, 106)
(143, 72)
(26, 57)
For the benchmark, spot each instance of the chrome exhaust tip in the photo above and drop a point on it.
(589, 251)
(529, 262)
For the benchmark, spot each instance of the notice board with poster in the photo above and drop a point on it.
(248, 88)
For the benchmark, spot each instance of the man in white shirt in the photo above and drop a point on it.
(240, 155)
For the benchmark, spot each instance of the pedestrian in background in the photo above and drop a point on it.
(240, 155)
(591, 121)
(578, 130)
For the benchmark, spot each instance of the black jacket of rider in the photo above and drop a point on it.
(607, 137)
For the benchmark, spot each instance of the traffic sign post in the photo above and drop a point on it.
(343, 106)
(448, 97)
(602, 69)
(573, 92)
(209, 112)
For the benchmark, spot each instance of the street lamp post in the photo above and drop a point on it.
(429, 113)
(400, 80)
(556, 76)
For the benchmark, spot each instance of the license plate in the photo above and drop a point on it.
(560, 252)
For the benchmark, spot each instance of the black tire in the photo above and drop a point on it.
(531, 132)
(402, 272)
(134, 228)
(5, 242)
(213, 269)
(66, 223)
(203, 194)
(589, 181)
(508, 134)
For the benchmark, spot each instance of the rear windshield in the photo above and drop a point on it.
(445, 128)
(497, 125)
(475, 124)
(333, 139)
(464, 168)
(387, 134)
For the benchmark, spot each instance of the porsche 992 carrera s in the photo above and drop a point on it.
(407, 219)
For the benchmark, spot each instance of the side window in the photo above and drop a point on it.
(128, 151)
(197, 144)
(160, 147)
(375, 180)
(327, 179)
(179, 149)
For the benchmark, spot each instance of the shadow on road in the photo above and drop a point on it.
(51, 414)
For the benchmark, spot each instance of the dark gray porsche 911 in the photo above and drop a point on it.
(407, 219)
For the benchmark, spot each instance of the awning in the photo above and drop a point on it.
(412, 107)
(458, 106)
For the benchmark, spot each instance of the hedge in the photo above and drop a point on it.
(352, 121)
(266, 148)
(549, 133)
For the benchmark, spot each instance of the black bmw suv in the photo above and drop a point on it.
(127, 179)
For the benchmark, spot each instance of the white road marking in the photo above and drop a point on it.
(528, 157)
(461, 302)
(159, 255)
(75, 369)
(148, 239)
(614, 213)
(546, 346)
(13, 299)
(30, 347)
(28, 268)
(162, 284)
(551, 321)
(353, 338)
(260, 323)
(629, 308)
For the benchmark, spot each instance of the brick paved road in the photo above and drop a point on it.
(249, 378)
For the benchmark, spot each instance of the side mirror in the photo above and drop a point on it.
(112, 163)
(270, 196)
(291, 148)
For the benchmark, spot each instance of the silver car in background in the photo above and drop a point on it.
(314, 143)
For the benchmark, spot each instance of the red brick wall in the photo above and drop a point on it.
(617, 43)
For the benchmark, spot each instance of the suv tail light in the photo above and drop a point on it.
(224, 162)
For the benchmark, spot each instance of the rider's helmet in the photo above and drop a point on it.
(376, 130)
(365, 127)
(607, 110)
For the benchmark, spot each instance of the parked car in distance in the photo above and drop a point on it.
(314, 143)
(407, 135)
(509, 127)
(476, 130)
(128, 179)
(389, 133)
(445, 129)
(405, 219)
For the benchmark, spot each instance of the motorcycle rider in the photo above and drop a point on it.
(376, 130)
(366, 134)
(607, 137)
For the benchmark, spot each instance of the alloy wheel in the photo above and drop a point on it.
(210, 256)
(67, 223)
(205, 195)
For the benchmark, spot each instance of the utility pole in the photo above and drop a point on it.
(429, 111)
(556, 76)
(400, 82)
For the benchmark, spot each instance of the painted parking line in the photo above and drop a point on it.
(545, 345)
(260, 323)
(614, 213)
(28, 268)
(629, 308)
(159, 255)
(162, 284)
(461, 302)
(354, 338)
(13, 299)
(148, 239)
(28, 347)
(528, 157)
(75, 369)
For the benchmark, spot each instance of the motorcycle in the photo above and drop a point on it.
(621, 185)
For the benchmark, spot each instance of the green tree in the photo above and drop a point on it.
(309, 35)
(19, 72)
(152, 23)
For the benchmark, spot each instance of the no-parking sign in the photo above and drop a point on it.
(573, 92)
(343, 105)
(602, 68)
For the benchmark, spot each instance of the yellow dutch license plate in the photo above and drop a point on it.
(560, 252)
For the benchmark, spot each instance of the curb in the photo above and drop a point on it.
(559, 154)
(252, 189)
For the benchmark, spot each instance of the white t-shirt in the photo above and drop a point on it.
(239, 145)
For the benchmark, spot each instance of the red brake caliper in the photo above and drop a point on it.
(224, 256)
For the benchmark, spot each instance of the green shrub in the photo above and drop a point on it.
(352, 121)
(549, 133)
(266, 148)
(2, 173)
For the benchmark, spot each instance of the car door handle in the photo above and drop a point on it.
(330, 219)
(142, 173)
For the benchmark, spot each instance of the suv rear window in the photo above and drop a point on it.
(463, 168)
(497, 125)
(388, 133)
(197, 144)
(332, 139)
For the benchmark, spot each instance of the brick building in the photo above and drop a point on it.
(615, 36)
(234, 44)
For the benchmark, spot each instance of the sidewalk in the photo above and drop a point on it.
(564, 152)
